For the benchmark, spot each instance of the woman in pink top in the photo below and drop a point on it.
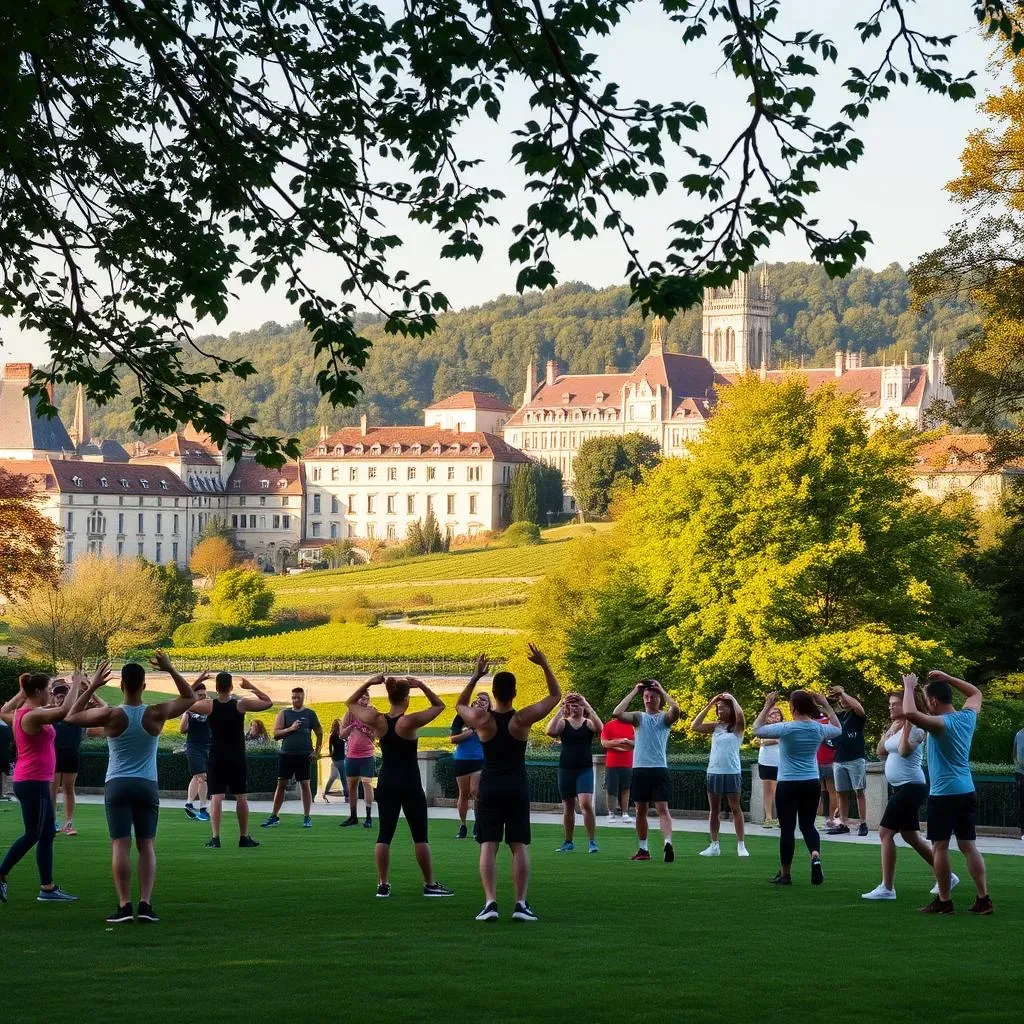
(359, 764)
(32, 723)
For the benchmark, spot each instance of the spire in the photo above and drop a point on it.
(658, 336)
(80, 430)
(531, 382)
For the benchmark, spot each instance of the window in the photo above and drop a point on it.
(142, 528)
(71, 522)
(410, 504)
(351, 504)
(334, 472)
(263, 522)
(451, 472)
(174, 551)
(145, 484)
(335, 505)
(410, 473)
(371, 531)
(277, 522)
(67, 551)
(159, 523)
(252, 522)
(392, 533)
(316, 529)
(175, 523)
(350, 530)
(265, 484)
(317, 473)
(353, 473)
(286, 522)
(263, 499)
(96, 523)
(316, 503)
(451, 504)
(284, 501)
(120, 522)
(392, 472)
(234, 522)
(431, 472)
(159, 552)
(890, 390)
(123, 483)
(77, 481)
(141, 548)
(430, 503)
(120, 548)
(241, 501)
(371, 472)
(103, 481)
(334, 531)
(371, 504)
(472, 504)
(473, 473)
(391, 504)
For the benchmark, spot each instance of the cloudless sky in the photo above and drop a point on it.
(896, 192)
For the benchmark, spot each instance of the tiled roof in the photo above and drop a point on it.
(71, 476)
(109, 451)
(471, 400)
(187, 444)
(576, 391)
(402, 442)
(37, 470)
(21, 426)
(865, 382)
(959, 453)
(249, 478)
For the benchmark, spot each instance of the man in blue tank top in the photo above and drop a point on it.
(131, 795)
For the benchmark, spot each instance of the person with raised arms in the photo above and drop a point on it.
(131, 794)
(468, 763)
(503, 805)
(360, 765)
(725, 774)
(228, 771)
(399, 787)
(952, 801)
(799, 788)
(576, 725)
(67, 745)
(650, 760)
(196, 729)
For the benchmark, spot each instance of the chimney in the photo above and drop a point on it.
(906, 358)
(550, 376)
(323, 432)
(531, 382)
(362, 425)
(658, 336)
(840, 363)
(610, 368)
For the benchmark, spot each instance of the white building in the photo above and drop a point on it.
(469, 411)
(960, 464)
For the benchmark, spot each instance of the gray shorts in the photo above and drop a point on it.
(131, 803)
(617, 780)
(724, 784)
(851, 776)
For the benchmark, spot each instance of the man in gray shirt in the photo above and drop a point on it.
(295, 727)
(1018, 774)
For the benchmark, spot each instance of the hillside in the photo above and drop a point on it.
(487, 347)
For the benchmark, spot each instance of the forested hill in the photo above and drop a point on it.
(487, 347)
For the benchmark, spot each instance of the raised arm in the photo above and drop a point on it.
(674, 712)
(79, 692)
(827, 710)
(737, 711)
(557, 724)
(79, 713)
(418, 719)
(699, 724)
(259, 701)
(473, 717)
(533, 713)
(907, 743)
(186, 695)
(7, 711)
(622, 712)
(596, 725)
(849, 701)
(934, 724)
(969, 690)
(769, 702)
(366, 713)
(880, 750)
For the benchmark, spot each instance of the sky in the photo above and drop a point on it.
(896, 192)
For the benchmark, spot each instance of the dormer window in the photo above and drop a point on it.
(566, 398)
(103, 481)
(145, 483)
(396, 449)
(124, 483)
(238, 485)
(375, 449)
(436, 447)
(77, 481)
(339, 449)
(282, 482)
(475, 448)
(357, 449)
(455, 448)
(163, 485)
(265, 484)
(601, 396)
(322, 450)
(416, 449)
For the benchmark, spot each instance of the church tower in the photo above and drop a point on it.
(737, 327)
(80, 431)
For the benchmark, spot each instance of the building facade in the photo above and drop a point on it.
(961, 464)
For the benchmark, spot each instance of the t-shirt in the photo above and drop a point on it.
(949, 755)
(1018, 753)
(900, 770)
(827, 751)
(360, 739)
(798, 747)
(851, 743)
(470, 749)
(198, 734)
(725, 752)
(68, 737)
(300, 741)
(577, 741)
(651, 741)
(616, 730)
(769, 755)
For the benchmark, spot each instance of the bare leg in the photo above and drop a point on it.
(862, 805)
(474, 790)
(216, 807)
(665, 820)
(279, 796)
(844, 807)
(54, 789)
(940, 864)
(624, 801)
(768, 789)
(422, 851)
(147, 868)
(714, 809)
(975, 864)
(462, 804)
(888, 839)
(242, 810)
(307, 797)
(368, 796)
(569, 818)
(382, 856)
(737, 816)
(833, 799)
(353, 799)
(641, 821)
(520, 871)
(201, 789)
(589, 819)
(489, 871)
(914, 839)
(122, 869)
(68, 784)
(193, 789)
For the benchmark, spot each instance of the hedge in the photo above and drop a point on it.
(204, 633)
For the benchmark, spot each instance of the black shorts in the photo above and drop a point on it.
(503, 810)
(67, 761)
(198, 759)
(228, 775)
(294, 766)
(131, 804)
(651, 786)
(767, 772)
(617, 780)
(467, 766)
(955, 815)
(903, 811)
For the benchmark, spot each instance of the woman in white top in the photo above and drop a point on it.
(768, 770)
(725, 776)
(901, 746)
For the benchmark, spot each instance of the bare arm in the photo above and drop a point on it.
(596, 725)
(318, 733)
(418, 719)
(473, 717)
(969, 690)
(849, 701)
(366, 713)
(819, 699)
(279, 730)
(170, 708)
(907, 744)
(622, 712)
(674, 712)
(80, 704)
(202, 707)
(78, 693)
(698, 724)
(557, 724)
(769, 702)
(7, 711)
(532, 713)
(259, 701)
(934, 724)
(880, 750)
(737, 711)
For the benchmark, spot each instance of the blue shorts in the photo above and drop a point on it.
(574, 782)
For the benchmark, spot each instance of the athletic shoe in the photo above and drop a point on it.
(767, 823)
(383, 891)
(3, 891)
(191, 813)
(69, 829)
(817, 874)
(524, 912)
(641, 855)
(437, 889)
(57, 828)
(713, 850)
(123, 915)
(982, 906)
(272, 822)
(55, 895)
(837, 830)
(347, 822)
(146, 913)
(954, 881)
(462, 833)
(566, 847)
(863, 830)
(627, 820)
(670, 854)
(592, 846)
(781, 879)
(214, 843)
(741, 850)
(202, 814)
(611, 818)
(368, 823)
(247, 842)
(880, 892)
(489, 913)
(307, 822)
(938, 906)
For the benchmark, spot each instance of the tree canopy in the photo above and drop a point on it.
(604, 463)
(157, 155)
(28, 539)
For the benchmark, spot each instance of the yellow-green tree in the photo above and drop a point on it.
(211, 557)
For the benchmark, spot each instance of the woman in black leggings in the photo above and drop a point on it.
(399, 789)
(799, 790)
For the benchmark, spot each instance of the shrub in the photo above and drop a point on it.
(998, 723)
(10, 669)
(203, 634)
(422, 599)
(522, 534)
(354, 615)
(242, 598)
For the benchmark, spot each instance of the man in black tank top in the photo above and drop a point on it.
(503, 805)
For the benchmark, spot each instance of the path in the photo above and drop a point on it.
(468, 581)
(322, 688)
(418, 627)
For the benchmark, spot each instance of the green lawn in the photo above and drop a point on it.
(292, 931)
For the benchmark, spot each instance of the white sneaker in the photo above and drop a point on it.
(880, 893)
(627, 820)
(741, 850)
(714, 850)
(954, 881)
(611, 818)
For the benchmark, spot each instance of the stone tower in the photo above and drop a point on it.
(80, 433)
(737, 327)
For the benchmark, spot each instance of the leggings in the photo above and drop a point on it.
(410, 801)
(37, 813)
(797, 801)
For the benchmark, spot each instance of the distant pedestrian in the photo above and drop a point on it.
(360, 764)
(336, 752)
(197, 753)
(68, 746)
(768, 770)
(850, 766)
(725, 774)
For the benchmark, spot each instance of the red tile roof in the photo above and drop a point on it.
(865, 382)
(70, 476)
(187, 444)
(959, 453)
(472, 400)
(354, 445)
(37, 470)
(249, 477)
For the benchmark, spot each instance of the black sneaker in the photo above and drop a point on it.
(838, 830)
(938, 906)
(191, 812)
(489, 913)
(214, 843)
(348, 822)
(147, 913)
(863, 830)
(437, 889)
(817, 875)
(247, 842)
(781, 879)
(982, 906)
(524, 912)
(462, 833)
(123, 915)
(670, 854)
(383, 890)
(368, 823)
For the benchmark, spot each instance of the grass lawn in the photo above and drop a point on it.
(292, 931)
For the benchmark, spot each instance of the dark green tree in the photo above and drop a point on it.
(424, 536)
(178, 596)
(525, 499)
(639, 452)
(597, 463)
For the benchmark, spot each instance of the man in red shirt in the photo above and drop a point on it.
(617, 740)
(826, 755)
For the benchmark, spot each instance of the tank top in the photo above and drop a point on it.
(576, 747)
(37, 759)
(198, 734)
(503, 753)
(227, 730)
(398, 764)
(724, 758)
(133, 753)
(469, 749)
